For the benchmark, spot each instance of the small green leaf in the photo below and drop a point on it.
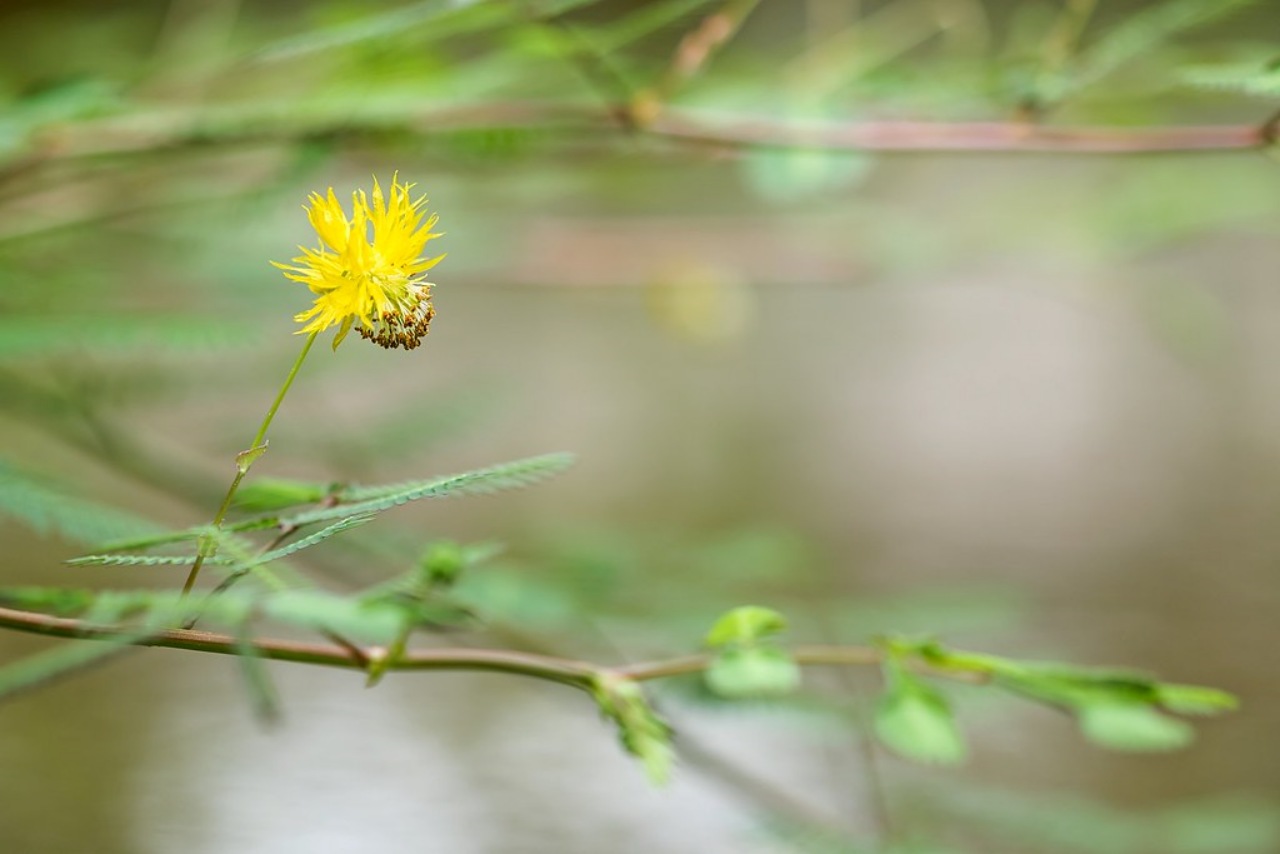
(915, 720)
(642, 732)
(1194, 699)
(753, 672)
(1131, 726)
(745, 625)
(245, 459)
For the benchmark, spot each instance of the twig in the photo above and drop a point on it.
(576, 673)
(580, 674)
(141, 134)
(973, 137)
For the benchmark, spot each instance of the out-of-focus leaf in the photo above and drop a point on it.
(266, 494)
(915, 720)
(427, 22)
(374, 499)
(797, 174)
(645, 20)
(504, 595)
(753, 671)
(59, 601)
(308, 541)
(68, 657)
(745, 625)
(374, 27)
(48, 510)
(1257, 80)
(43, 336)
(1194, 699)
(352, 618)
(79, 98)
(1008, 820)
(643, 733)
(1130, 726)
(257, 681)
(1145, 29)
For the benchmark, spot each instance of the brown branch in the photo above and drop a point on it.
(907, 136)
(579, 674)
(155, 132)
(576, 673)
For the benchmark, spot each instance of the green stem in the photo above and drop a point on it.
(245, 458)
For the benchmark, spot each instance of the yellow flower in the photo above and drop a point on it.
(369, 268)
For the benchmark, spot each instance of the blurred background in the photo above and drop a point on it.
(1022, 400)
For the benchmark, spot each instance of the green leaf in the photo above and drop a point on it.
(112, 607)
(246, 459)
(642, 732)
(59, 601)
(165, 538)
(510, 475)
(1114, 708)
(141, 560)
(64, 659)
(242, 557)
(158, 609)
(353, 619)
(375, 499)
(646, 19)
(48, 509)
(1144, 30)
(915, 720)
(261, 690)
(1255, 79)
(745, 625)
(308, 541)
(1131, 726)
(380, 26)
(1194, 699)
(267, 494)
(507, 595)
(753, 671)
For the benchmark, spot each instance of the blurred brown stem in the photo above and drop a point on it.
(580, 674)
(126, 136)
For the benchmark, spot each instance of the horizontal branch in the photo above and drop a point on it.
(151, 131)
(579, 674)
(907, 136)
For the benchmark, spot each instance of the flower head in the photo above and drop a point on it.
(369, 268)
